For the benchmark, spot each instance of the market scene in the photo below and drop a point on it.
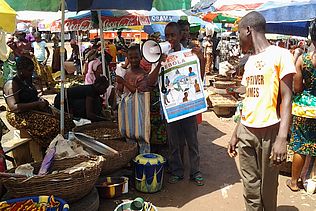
(157, 105)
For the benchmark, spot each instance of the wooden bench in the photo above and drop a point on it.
(23, 148)
(19, 149)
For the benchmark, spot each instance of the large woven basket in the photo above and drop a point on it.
(70, 187)
(127, 151)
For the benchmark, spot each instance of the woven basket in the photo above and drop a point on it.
(223, 84)
(127, 151)
(221, 78)
(70, 187)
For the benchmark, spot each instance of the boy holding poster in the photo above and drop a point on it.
(183, 130)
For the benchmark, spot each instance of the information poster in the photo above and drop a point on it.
(181, 87)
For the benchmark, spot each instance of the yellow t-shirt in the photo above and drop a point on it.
(112, 51)
(262, 76)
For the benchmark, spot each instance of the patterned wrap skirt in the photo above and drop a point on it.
(303, 137)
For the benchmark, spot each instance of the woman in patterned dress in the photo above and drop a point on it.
(26, 110)
(303, 131)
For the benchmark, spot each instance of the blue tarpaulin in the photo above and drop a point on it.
(289, 28)
(293, 11)
(290, 18)
(156, 28)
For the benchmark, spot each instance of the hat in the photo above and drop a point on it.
(22, 28)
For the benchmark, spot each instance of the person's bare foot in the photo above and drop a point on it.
(293, 187)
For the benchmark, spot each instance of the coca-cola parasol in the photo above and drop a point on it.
(110, 20)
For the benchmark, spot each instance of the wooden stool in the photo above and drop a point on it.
(23, 148)
(19, 149)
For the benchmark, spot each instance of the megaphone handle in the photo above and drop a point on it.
(163, 87)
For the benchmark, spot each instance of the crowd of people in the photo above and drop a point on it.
(266, 121)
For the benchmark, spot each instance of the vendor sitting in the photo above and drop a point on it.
(84, 101)
(26, 110)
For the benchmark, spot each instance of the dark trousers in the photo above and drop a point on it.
(179, 132)
(259, 175)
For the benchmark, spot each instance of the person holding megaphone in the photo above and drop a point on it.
(184, 128)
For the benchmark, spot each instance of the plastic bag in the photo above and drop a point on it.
(134, 116)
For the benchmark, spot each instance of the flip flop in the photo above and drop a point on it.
(199, 180)
(173, 179)
(288, 184)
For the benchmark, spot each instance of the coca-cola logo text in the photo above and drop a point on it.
(108, 23)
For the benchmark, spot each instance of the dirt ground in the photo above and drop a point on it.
(223, 189)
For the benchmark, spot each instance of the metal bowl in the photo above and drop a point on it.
(111, 187)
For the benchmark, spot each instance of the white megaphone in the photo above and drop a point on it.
(152, 50)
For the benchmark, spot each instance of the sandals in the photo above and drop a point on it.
(199, 180)
(289, 185)
(173, 179)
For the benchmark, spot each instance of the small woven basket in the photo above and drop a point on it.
(127, 151)
(70, 187)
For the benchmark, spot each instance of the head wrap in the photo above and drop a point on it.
(22, 28)
(93, 65)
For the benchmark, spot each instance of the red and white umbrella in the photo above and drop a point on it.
(229, 5)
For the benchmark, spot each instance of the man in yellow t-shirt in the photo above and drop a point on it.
(112, 50)
(262, 132)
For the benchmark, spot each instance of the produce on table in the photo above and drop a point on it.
(104, 133)
(29, 205)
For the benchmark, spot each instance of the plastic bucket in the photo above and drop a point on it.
(149, 170)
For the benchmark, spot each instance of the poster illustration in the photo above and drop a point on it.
(181, 87)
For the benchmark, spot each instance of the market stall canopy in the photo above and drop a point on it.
(7, 17)
(283, 37)
(164, 16)
(111, 20)
(35, 5)
(297, 28)
(37, 15)
(78, 5)
(292, 11)
(218, 18)
(297, 23)
(228, 5)
(203, 6)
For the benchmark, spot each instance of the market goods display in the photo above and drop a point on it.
(223, 100)
(68, 178)
(105, 130)
(127, 151)
(42, 126)
(71, 81)
(224, 84)
(221, 78)
(113, 162)
(104, 133)
(42, 203)
(223, 105)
